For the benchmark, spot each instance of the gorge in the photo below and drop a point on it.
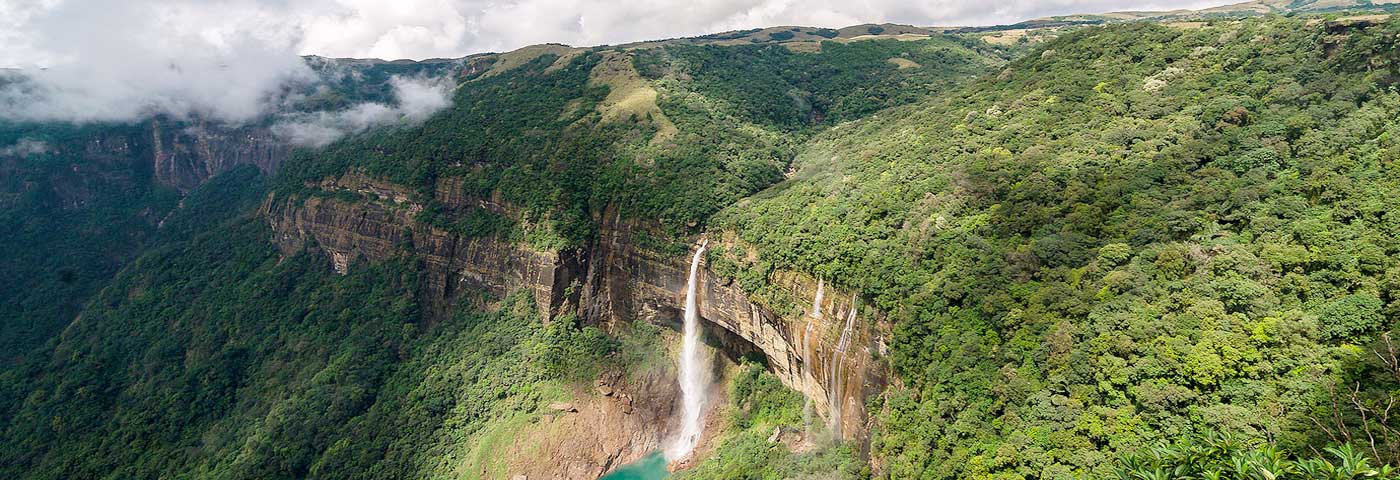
(1133, 245)
(608, 283)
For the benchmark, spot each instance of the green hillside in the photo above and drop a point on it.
(211, 355)
(90, 199)
(671, 133)
(1132, 234)
(210, 358)
(1138, 250)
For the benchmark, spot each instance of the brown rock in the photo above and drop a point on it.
(612, 281)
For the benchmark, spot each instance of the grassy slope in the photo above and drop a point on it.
(729, 120)
(1133, 233)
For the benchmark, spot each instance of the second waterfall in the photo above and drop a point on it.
(693, 371)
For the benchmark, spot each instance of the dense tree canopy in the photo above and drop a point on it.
(1131, 234)
(1138, 250)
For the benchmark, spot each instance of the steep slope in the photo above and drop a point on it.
(384, 311)
(671, 133)
(82, 200)
(1134, 233)
(176, 371)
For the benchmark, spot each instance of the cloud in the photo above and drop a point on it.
(416, 100)
(449, 28)
(122, 60)
(25, 147)
(234, 60)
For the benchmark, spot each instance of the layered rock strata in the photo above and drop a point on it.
(613, 280)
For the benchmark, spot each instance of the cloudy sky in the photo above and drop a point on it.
(109, 60)
(49, 32)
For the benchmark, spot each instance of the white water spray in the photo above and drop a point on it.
(692, 371)
(835, 395)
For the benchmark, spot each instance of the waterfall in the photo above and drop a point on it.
(834, 395)
(692, 371)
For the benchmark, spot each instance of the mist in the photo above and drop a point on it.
(24, 147)
(126, 60)
(237, 60)
(416, 100)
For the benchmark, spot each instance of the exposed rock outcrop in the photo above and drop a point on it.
(624, 281)
(613, 280)
(597, 433)
(185, 155)
(379, 225)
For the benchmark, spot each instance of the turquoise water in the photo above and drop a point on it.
(650, 467)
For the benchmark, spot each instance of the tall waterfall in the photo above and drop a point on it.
(835, 395)
(693, 375)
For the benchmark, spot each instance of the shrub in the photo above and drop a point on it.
(1350, 316)
(1222, 456)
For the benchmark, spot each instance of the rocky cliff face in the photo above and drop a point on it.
(828, 353)
(185, 155)
(619, 422)
(181, 155)
(624, 281)
(109, 160)
(378, 224)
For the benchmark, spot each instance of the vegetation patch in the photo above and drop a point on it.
(1078, 266)
(630, 97)
(767, 436)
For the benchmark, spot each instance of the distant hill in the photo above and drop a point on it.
(1256, 7)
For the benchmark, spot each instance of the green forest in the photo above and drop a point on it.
(1136, 250)
(1133, 234)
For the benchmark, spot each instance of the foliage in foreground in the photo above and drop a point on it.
(1218, 456)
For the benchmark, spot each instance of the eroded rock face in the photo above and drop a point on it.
(624, 281)
(612, 281)
(181, 155)
(379, 226)
(110, 159)
(185, 155)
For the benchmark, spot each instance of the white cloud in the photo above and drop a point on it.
(388, 30)
(437, 28)
(121, 60)
(25, 147)
(416, 100)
